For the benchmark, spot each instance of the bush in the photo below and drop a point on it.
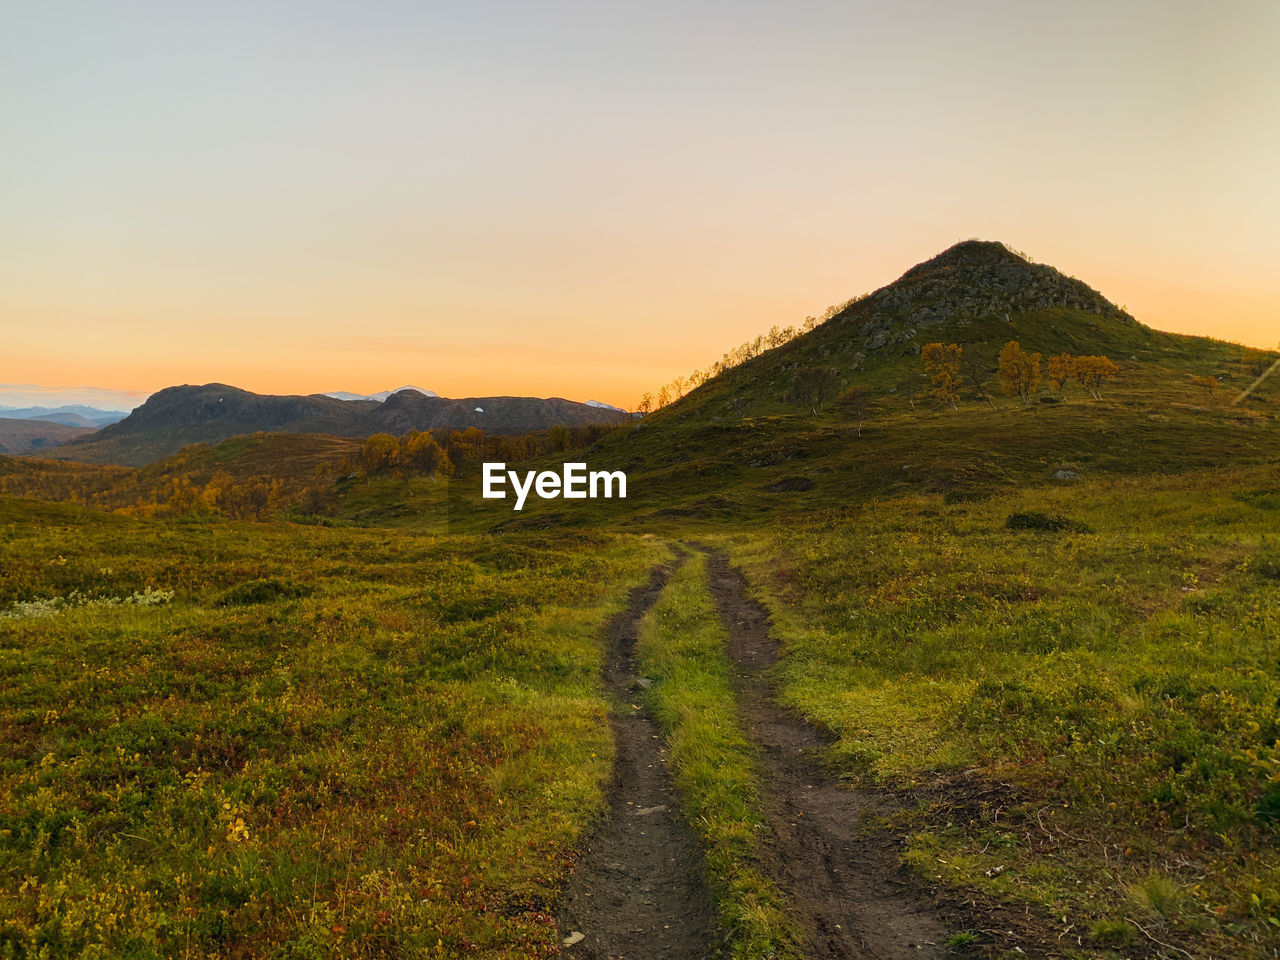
(966, 496)
(1268, 567)
(1268, 810)
(1043, 521)
(261, 591)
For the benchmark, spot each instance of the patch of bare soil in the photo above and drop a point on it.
(639, 889)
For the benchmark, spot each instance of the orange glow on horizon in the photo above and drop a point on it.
(586, 200)
(612, 366)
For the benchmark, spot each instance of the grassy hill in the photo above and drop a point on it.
(736, 449)
(978, 294)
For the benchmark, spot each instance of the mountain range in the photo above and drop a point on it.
(75, 415)
(381, 395)
(178, 416)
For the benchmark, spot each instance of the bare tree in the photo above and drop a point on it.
(814, 386)
(856, 401)
(975, 374)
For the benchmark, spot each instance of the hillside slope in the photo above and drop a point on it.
(179, 416)
(979, 294)
(736, 449)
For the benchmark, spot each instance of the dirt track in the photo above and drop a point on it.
(843, 877)
(639, 890)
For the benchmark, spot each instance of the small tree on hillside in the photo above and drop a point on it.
(942, 364)
(379, 453)
(857, 403)
(975, 375)
(645, 404)
(814, 386)
(1061, 369)
(420, 453)
(910, 388)
(1092, 372)
(1208, 384)
(1019, 371)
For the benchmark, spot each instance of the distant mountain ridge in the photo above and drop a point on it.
(178, 416)
(72, 415)
(379, 396)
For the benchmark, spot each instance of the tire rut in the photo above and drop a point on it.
(639, 890)
(841, 873)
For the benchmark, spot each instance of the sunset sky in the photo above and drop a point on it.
(585, 199)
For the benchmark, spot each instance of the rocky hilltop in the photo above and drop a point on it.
(973, 280)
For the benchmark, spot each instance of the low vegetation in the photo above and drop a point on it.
(270, 740)
(1077, 686)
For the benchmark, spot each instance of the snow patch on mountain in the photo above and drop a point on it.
(604, 406)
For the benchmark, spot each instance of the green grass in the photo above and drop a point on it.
(1119, 674)
(681, 648)
(326, 743)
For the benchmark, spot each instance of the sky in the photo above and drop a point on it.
(586, 199)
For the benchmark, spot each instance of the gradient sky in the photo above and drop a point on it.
(585, 199)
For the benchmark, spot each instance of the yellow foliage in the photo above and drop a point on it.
(942, 364)
(1019, 371)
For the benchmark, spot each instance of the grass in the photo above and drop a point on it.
(1110, 678)
(682, 649)
(325, 743)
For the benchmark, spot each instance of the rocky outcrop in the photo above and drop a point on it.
(972, 280)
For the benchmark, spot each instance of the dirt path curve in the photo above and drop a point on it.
(639, 890)
(844, 881)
